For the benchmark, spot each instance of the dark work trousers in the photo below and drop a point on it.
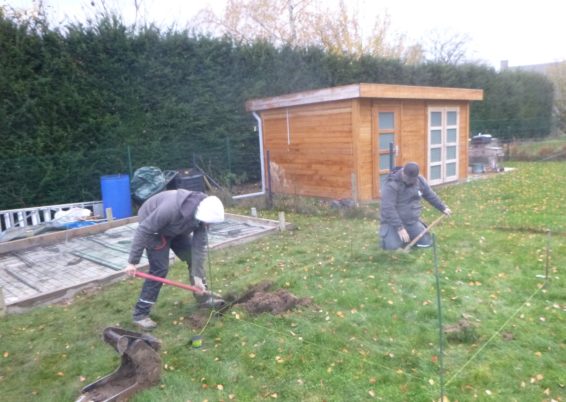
(159, 266)
(390, 239)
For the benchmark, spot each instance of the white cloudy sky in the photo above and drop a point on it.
(522, 32)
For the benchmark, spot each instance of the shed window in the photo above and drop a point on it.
(386, 121)
(452, 118)
(452, 135)
(387, 130)
(435, 155)
(435, 173)
(384, 141)
(451, 169)
(435, 137)
(384, 162)
(436, 119)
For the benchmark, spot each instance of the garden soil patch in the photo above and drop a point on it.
(257, 299)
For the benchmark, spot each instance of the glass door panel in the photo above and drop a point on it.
(443, 133)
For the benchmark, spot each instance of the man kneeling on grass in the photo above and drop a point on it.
(401, 208)
(177, 220)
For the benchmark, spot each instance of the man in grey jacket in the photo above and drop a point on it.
(401, 208)
(176, 220)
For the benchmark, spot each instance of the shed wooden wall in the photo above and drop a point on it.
(314, 149)
(365, 147)
(311, 149)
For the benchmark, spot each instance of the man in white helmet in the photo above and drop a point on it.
(176, 220)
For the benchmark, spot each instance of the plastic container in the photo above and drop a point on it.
(192, 183)
(477, 168)
(115, 191)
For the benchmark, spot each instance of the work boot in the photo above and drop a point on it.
(145, 323)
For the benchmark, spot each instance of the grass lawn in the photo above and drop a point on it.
(372, 332)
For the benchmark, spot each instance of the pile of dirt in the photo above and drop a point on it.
(463, 331)
(257, 299)
(274, 303)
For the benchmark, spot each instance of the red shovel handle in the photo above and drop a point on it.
(193, 289)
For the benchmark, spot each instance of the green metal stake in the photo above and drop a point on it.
(547, 264)
(440, 332)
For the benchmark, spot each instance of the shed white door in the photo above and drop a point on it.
(443, 146)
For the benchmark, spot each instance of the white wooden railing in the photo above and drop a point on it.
(34, 216)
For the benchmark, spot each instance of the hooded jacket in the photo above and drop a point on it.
(166, 215)
(401, 203)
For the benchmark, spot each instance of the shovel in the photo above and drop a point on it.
(427, 229)
(212, 301)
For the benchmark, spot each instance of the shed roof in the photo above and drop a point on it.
(381, 91)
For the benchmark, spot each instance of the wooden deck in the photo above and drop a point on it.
(48, 268)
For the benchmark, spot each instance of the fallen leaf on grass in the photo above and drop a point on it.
(220, 387)
(371, 393)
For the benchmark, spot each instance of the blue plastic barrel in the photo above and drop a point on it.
(116, 195)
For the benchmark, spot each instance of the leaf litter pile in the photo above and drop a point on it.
(257, 299)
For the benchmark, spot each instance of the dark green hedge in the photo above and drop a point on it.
(74, 101)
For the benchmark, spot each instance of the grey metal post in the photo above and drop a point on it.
(391, 156)
(354, 188)
(269, 193)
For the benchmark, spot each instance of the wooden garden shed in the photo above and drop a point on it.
(339, 142)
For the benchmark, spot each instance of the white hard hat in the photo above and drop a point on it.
(210, 210)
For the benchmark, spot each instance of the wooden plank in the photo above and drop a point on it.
(355, 175)
(365, 163)
(363, 90)
(304, 98)
(419, 92)
(54, 237)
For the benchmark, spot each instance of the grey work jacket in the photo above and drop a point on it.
(401, 203)
(166, 215)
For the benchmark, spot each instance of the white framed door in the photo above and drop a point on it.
(443, 144)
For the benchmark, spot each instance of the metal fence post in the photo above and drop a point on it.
(229, 152)
(130, 162)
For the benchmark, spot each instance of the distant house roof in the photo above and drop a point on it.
(544, 68)
(383, 91)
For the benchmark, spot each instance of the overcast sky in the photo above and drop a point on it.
(522, 32)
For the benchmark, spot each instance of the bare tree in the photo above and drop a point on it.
(447, 47)
(308, 22)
